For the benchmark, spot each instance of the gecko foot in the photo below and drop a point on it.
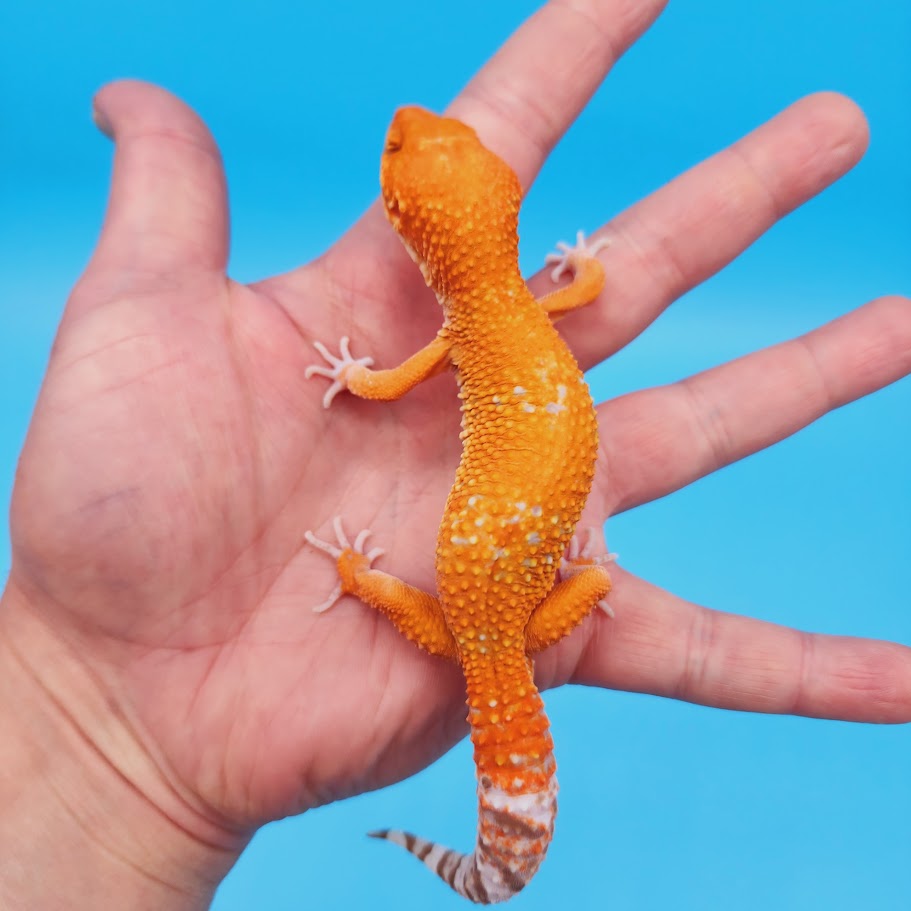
(569, 257)
(579, 556)
(342, 547)
(338, 367)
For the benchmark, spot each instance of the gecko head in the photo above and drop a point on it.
(446, 194)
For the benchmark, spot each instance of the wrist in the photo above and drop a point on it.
(87, 818)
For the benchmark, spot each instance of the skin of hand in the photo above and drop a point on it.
(167, 686)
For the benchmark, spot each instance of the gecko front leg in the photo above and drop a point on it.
(587, 272)
(355, 375)
(338, 370)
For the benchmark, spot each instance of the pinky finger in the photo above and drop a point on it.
(666, 646)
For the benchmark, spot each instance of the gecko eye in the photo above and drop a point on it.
(393, 140)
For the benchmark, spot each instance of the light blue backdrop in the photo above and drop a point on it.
(664, 805)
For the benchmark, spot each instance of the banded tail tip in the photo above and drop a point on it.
(461, 872)
(411, 843)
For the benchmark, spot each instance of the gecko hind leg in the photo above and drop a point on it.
(579, 556)
(568, 604)
(584, 585)
(350, 558)
(416, 614)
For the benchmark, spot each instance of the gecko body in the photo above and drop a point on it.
(530, 444)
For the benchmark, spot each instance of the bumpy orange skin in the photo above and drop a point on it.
(530, 443)
(529, 429)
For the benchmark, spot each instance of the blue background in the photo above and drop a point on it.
(664, 805)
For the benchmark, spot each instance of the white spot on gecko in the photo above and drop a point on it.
(519, 390)
(521, 506)
(558, 406)
(528, 407)
(533, 538)
(536, 806)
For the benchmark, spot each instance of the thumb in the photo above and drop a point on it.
(167, 210)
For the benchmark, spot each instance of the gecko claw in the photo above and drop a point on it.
(337, 367)
(569, 257)
(580, 556)
(337, 551)
(584, 554)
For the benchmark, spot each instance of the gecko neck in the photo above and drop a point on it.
(486, 298)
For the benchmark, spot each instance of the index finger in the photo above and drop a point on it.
(520, 102)
(525, 98)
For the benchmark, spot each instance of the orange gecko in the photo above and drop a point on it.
(505, 587)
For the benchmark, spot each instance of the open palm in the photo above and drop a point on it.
(177, 455)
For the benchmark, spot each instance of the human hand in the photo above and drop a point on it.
(160, 589)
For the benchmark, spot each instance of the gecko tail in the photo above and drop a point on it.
(513, 836)
(459, 871)
(451, 866)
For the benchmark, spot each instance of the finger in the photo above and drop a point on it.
(167, 210)
(689, 229)
(665, 646)
(520, 102)
(528, 94)
(659, 440)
